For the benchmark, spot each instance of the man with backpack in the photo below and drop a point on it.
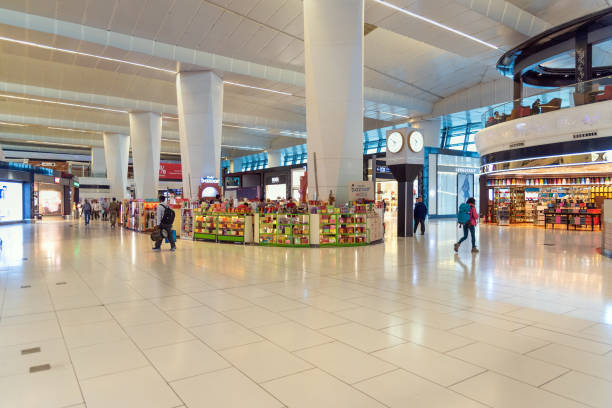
(468, 218)
(165, 218)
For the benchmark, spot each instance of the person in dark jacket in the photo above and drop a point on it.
(420, 213)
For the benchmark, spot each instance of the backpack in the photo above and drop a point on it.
(168, 217)
(463, 216)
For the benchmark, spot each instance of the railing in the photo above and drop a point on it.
(582, 93)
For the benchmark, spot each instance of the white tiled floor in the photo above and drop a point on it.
(407, 323)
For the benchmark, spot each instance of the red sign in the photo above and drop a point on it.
(170, 171)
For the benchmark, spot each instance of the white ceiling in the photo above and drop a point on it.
(409, 64)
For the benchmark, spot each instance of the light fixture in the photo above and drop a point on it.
(395, 114)
(72, 130)
(170, 140)
(12, 124)
(84, 54)
(292, 133)
(257, 88)
(243, 147)
(430, 21)
(245, 127)
(170, 117)
(55, 143)
(76, 105)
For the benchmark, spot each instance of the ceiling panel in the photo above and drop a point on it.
(177, 20)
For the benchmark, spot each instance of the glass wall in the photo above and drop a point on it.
(456, 180)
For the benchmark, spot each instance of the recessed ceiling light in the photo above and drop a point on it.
(243, 147)
(245, 127)
(76, 105)
(55, 143)
(257, 88)
(395, 114)
(430, 21)
(12, 124)
(84, 54)
(72, 130)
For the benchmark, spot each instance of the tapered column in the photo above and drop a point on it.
(98, 162)
(200, 109)
(333, 40)
(145, 135)
(274, 158)
(117, 154)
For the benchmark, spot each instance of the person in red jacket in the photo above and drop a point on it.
(470, 226)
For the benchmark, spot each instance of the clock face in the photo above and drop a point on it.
(395, 142)
(415, 141)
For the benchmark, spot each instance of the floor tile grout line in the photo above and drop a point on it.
(555, 378)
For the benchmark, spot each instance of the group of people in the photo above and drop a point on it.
(467, 218)
(96, 209)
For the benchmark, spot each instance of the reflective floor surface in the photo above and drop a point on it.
(92, 317)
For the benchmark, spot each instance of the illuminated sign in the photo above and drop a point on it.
(275, 180)
(209, 180)
(56, 180)
(75, 183)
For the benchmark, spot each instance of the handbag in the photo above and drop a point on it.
(156, 235)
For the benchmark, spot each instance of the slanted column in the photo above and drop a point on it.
(200, 110)
(98, 164)
(333, 40)
(117, 154)
(145, 135)
(274, 158)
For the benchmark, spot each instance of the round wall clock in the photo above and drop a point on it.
(415, 141)
(395, 142)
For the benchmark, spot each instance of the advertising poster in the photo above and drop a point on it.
(465, 188)
(170, 171)
(11, 202)
(361, 190)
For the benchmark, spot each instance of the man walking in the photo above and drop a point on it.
(87, 211)
(165, 219)
(468, 218)
(113, 212)
(420, 213)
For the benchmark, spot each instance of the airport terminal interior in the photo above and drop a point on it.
(305, 203)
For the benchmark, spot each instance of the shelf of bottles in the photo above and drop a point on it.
(284, 230)
(230, 227)
(517, 205)
(187, 222)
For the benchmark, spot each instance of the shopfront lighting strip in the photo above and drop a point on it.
(75, 105)
(84, 54)
(435, 23)
(257, 88)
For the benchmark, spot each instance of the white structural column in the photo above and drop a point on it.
(200, 110)
(98, 164)
(333, 40)
(117, 153)
(274, 158)
(145, 135)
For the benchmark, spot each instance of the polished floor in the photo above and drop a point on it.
(91, 317)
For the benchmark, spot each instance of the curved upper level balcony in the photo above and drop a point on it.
(596, 90)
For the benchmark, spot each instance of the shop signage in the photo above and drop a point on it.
(383, 169)
(75, 184)
(360, 190)
(275, 180)
(209, 180)
(466, 170)
(170, 171)
(56, 180)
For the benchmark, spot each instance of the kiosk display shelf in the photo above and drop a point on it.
(284, 229)
(204, 226)
(230, 227)
(187, 223)
(328, 229)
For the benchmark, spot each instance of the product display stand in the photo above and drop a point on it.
(328, 229)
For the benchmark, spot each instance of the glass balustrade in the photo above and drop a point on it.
(582, 93)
